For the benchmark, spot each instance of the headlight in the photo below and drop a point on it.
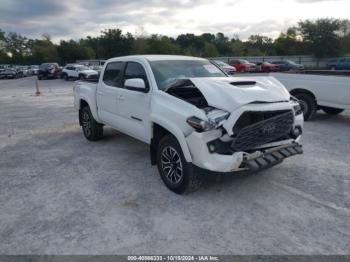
(201, 125)
(297, 109)
(296, 106)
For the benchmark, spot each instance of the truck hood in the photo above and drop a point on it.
(229, 93)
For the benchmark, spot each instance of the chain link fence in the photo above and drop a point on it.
(309, 61)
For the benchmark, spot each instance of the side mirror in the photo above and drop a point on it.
(136, 84)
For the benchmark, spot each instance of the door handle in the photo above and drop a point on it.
(100, 93)
(121, 97)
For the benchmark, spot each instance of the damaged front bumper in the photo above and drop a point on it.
(270, 157)
(258, 159)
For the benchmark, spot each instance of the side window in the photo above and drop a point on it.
(135, 70)
(113, 74)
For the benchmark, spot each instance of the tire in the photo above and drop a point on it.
(178, 175)
(332, 110)
(81, 77)
(39, 77)
(308, 105)
(65, 77)
(333, 68)
(92, 130)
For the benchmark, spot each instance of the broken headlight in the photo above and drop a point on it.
(201, 125)
(296, 106)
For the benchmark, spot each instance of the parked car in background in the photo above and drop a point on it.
(98, 69)
(242, 65)
(33, 70)
(339, 64)
(193, 116)
(23, 70)
(287, 65)
(10, 73)
(267, 67)
(314, 92)
(230, 70)
(49, 70)
(73, 71)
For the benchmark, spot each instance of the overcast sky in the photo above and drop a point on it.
(65, 19)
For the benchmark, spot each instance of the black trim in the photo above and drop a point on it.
(135, 118)
(272, 157)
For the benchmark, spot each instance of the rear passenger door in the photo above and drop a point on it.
(107, 93)
(133, 107)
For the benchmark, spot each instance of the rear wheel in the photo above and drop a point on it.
(178, 175)
(308, 105)
(332, 110)
(91, 128)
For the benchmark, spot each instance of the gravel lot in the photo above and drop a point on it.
(60, 194)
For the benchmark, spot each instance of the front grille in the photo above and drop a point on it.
(263, 132)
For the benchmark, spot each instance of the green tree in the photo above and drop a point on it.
(260, 44)
(17, 46)
(191, 44)
(321, 36)
(162, 45)
(113, 43)
(43, 50)
(288, 43)
(222, 44)
(71, 51)
(210, 50)
(4, 58)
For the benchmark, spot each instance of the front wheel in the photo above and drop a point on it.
(308, 105)
(332, 110)
(178, 175)
(91, 128)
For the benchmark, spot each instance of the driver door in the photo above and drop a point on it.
(133, 107)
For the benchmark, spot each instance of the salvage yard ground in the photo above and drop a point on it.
(60, 194)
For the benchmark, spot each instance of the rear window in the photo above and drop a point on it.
(113, 74)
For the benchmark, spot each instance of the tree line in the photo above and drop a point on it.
(326, 37)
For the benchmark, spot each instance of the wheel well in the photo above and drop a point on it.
(83, 104)
(158, 133)
(302, 91)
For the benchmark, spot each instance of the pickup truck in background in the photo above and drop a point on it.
(193, 115)
(326, 92)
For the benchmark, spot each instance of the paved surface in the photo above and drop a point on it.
(60, 194)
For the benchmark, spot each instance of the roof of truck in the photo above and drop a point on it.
(159, 57)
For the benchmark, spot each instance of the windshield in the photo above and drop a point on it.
(168, 71)
(291, 62)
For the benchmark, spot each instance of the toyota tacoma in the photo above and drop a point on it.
(194, 117)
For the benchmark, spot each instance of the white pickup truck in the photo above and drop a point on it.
(327, 92)
(194, 117)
